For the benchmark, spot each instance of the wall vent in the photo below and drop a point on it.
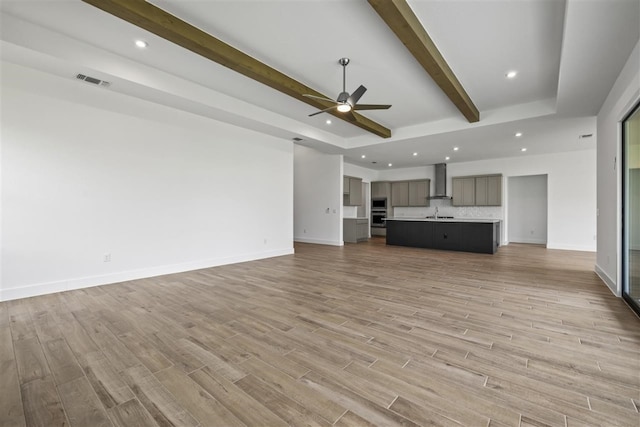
(586, 135)
(93, 80)
(296, 139)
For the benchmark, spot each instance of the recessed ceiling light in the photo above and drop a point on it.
(447, 158)
(390, 165)
(328, 122)
(363, 156)
(141, 44)
(455, 148)
(415, 154)
(511, 74)
(518, 134)
(523, 149)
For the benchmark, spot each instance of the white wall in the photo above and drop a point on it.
(527, 208)
(571, 192)
(422, 172)
(620, 101)
(160, 190)
(317, 197)
(367, 175)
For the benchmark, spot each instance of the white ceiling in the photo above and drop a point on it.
(567, 54)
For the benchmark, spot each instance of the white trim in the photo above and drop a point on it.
(87, 282)
(607, 280)
(319, 241)
(530, 241)
(571, 247)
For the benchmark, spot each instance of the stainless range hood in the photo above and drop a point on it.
(441, 182)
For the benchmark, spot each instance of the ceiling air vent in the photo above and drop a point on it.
(93, 80)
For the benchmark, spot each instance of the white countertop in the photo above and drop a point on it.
(360, 217)
(480, 220)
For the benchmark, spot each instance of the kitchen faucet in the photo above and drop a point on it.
(436, 215)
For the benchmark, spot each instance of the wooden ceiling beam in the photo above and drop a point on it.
(171, 28)
(405, 24)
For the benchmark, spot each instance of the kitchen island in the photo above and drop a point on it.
(455, 234)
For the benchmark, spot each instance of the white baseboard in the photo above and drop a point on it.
(319, 241)
(87, 282)
(529, 241)
(590, 248)
(611, 284)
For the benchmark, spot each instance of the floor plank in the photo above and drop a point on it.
(42, 406)
(131, 413)
(81, 404)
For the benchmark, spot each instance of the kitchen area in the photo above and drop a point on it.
(406, 213)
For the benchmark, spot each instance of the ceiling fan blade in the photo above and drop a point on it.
(372, 107)
(323, 111)
(356, 95)
(321, 98)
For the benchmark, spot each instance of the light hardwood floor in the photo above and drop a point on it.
(355, 336)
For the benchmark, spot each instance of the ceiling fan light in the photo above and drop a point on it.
(344, 108)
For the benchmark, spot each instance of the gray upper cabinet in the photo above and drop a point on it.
(464, 191)
(419, 193)
(484, 190)
(489, 190)
(494, 190)
(352, 193)
(380, 189)
(410, 193)
(400, 193)
(481, 191)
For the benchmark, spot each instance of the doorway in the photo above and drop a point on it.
(527, 209)
(631, 209)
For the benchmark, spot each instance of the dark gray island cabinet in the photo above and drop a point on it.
(482, 236)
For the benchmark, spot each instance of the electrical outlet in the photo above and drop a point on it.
(106, 258)
(265, 241)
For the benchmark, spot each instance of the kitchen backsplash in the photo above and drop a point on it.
(484, 212)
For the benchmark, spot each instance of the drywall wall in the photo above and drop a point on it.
(92, 196)
(317, 197)
(527, 207)
(619, 103)
(367, 175)
(571, 192)
(421, 172)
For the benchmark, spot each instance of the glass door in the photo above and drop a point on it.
(631, 209)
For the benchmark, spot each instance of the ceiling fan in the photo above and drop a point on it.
(345, 103)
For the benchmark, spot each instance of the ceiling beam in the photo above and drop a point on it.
(405, 24)
(171, 28)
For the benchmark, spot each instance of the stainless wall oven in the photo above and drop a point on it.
(378, 212)
(377, 219)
